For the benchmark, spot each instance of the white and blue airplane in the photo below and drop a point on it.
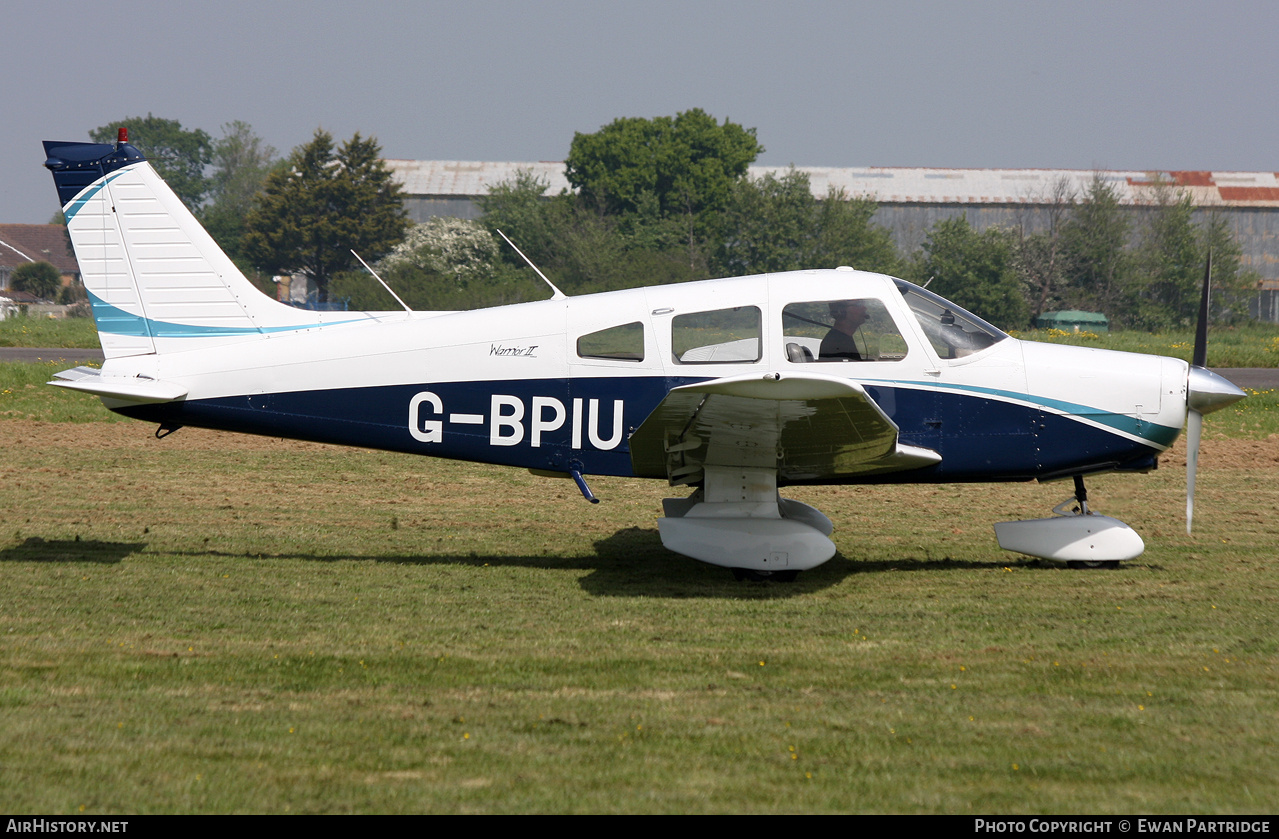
(732, 387)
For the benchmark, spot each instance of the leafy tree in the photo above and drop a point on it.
(1169, 261)
(580, 249)
(178, 155)
(445, 263)
(520, 209)
(322, 204)
(845, 235)
(1040, 255)
(1170, 258)
(688, 162)
(768, 225)
(775, 224)
(39, 278)
(1232, 286)
(1098, 267)
(663, 169)
(454, 247)
(975, 270)
(241, 162)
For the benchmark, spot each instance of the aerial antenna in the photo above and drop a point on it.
(382, 281)
(930, 279)
(557, 294)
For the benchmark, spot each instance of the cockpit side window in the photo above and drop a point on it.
(953, 332)
(721, 336)
(856, 329)
(617, 343)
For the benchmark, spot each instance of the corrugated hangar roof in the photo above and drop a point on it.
(468, 177)
(889, 184)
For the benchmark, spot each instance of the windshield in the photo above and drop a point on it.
(953, 332)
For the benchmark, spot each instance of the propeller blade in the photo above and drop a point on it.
(1200, 357)
(1205, 392)
(1194, 418)
(1194, 427)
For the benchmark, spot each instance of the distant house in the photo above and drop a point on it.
(21, 244)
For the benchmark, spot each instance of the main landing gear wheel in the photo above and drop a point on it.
(1101, 563)
(764, 576)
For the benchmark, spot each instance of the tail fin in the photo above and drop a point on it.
(156, 280)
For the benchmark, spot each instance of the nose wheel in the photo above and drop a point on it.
(1081, 501)
(740, 574)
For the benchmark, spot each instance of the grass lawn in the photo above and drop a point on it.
(69, 333)
(1249, 344)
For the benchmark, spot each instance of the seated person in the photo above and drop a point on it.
(839, 344)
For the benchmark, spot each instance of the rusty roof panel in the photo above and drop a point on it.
(1249, 193)
(1192, 178)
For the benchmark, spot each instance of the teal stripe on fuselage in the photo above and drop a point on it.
(1161, 435)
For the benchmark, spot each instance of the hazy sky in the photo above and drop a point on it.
(1125, 85)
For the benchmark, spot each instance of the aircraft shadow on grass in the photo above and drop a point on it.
(623, 565)
(37, 549)
(632, 562)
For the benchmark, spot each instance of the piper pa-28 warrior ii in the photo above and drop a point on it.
(733, 388)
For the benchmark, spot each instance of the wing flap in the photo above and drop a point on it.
(806, 426)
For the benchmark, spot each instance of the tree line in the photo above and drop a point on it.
(667, 200)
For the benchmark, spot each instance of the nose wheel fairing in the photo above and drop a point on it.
(1074, 535)
(1084, 538)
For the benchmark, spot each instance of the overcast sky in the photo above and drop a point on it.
(1126, 85)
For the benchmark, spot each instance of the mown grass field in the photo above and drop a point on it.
(212, 623)
(70, 333)
(1250, 344)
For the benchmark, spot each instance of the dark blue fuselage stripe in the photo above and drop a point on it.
(979, 438)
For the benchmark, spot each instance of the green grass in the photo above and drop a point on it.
(1246, 345)
(24, 394)
(69, 333)
(1256, 417)
(212, 623)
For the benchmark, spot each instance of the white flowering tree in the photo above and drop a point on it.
(454, 247)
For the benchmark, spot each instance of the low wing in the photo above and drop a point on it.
(806, 426)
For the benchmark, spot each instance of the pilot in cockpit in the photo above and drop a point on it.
(840, 343)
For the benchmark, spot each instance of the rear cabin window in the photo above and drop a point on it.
(721, 336)
(617, 343)
(856, 329)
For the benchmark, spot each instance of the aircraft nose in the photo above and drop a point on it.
(1207, 392)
